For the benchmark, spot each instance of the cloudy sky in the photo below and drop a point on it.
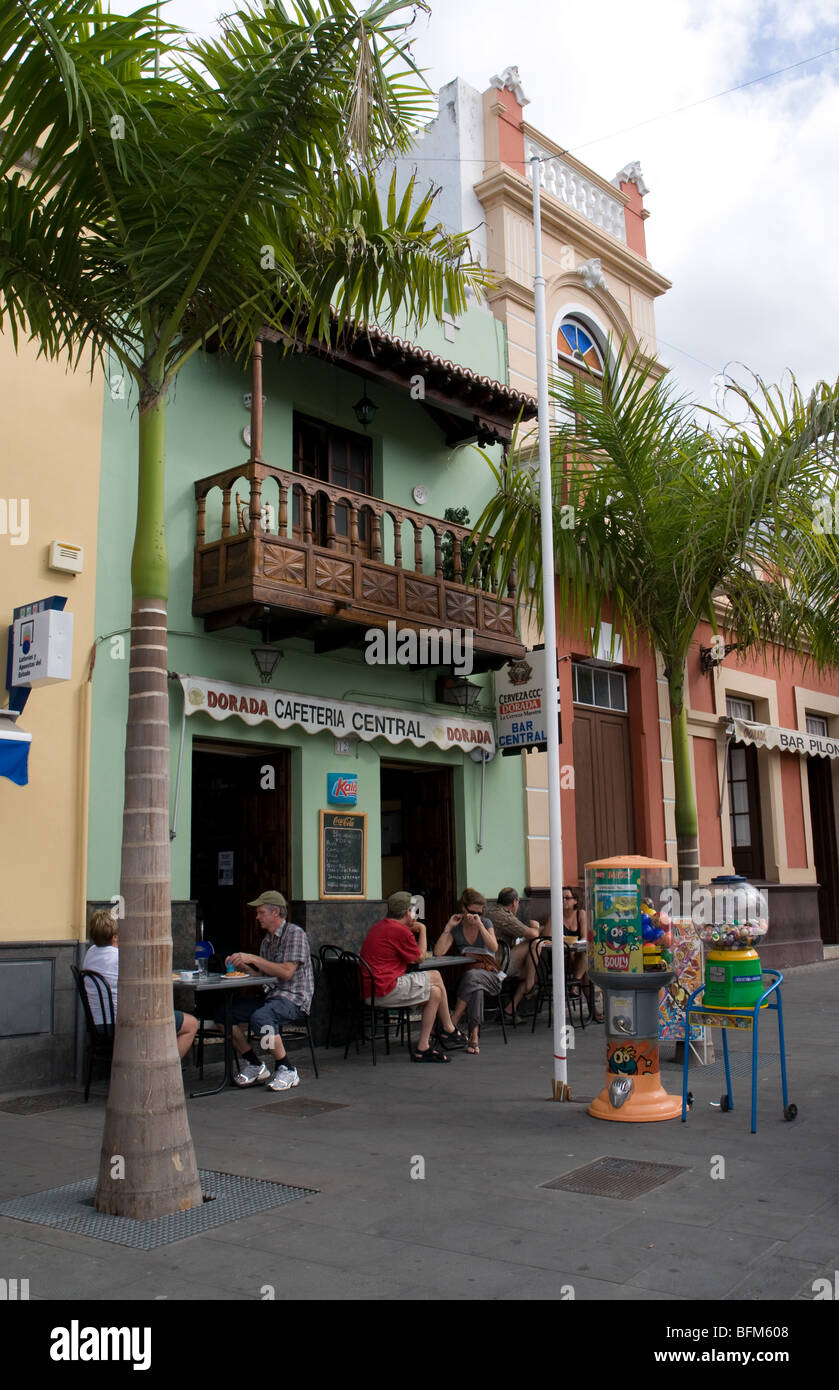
(744, 198)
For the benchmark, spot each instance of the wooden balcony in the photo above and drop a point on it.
(319, 561)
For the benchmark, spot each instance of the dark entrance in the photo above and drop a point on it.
(602, 785)
(418, 838)
(744, 810)
(823, 819)
(240, 838)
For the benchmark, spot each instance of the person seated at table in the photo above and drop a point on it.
(509, 927)
(284, 957)
(575, 933)
(471, 933)
(391, 945)
(103, 957)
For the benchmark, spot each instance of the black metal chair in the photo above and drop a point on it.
(330, 959)
(575, 991)
(301, 1027)
(542, 960)
(498, 1001)
(100, 1036)
(365, 1020)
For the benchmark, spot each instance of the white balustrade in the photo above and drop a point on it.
(576, 191)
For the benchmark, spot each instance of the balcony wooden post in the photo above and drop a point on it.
(225, 511)
(256, 504)
(353, 529)
(330, 523)
(457, 554)
(307, 518)
(256, 405)
(282, 519)
(438, 554)
(201, 521)
(377, 536)
(418, 530)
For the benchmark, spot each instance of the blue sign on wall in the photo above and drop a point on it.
(341, 790)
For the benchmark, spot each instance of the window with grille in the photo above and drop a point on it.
(593, 685)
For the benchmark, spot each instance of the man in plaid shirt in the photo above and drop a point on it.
(286, 961)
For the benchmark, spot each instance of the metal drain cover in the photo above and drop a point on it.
(301, 1106)
(623, 1178)
(49, 1100)
(227, 1197)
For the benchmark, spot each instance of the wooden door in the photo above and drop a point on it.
(427, 838)
(236, 811)
(343, 459)
(602, 785)
(823, 819)
(744, 811)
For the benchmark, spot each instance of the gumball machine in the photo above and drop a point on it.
(733, 972)
(629, 958)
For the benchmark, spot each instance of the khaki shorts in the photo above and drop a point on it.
(414, 988)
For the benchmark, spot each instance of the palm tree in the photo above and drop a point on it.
(675, 523)
(175, 190)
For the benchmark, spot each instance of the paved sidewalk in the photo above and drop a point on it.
(478, 1225)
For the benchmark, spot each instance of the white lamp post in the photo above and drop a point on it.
(561, 1089)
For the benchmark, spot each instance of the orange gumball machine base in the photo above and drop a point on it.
(633, 1090)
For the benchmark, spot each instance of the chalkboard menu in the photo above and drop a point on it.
(343, 854)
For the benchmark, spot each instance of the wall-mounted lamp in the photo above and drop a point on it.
(709, 657)
(457, 690)
(365, 410)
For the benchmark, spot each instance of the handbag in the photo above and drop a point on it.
(484, 962)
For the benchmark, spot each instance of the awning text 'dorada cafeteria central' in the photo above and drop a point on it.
(317, 714)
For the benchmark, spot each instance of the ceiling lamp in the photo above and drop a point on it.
(365, 410)
(266, 658)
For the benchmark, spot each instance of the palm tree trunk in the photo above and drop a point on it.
(147, 1166)
(687, 829)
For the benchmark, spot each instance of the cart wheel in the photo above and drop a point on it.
(690, 1100)
(725, 1103)
(790, 1112)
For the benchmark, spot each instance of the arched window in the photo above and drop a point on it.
(575, 343)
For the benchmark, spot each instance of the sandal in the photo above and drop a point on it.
(431, 1054)
(452, 1040)
(472, 1050)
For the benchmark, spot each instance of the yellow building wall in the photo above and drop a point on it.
(51, 422)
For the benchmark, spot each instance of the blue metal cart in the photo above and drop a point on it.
(747, 1019)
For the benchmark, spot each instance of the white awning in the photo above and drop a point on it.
(788, 740)
(318, 714)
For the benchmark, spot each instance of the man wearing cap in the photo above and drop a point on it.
(505, 920)
(285, 959)
(390, 946)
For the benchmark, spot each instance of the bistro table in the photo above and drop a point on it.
(435, 962)
(224, 985)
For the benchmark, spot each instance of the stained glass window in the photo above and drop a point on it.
(573, 341)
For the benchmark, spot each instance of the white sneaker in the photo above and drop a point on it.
(251, 1073)
(283, 1079)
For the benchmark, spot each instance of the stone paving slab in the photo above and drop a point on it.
(479, 1225)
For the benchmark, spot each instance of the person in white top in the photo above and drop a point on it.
(103, 957)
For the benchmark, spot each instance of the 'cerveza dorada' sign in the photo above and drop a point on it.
(519, 704)
(317, 714)
(788, 740)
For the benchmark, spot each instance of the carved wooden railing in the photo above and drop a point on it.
(293, 553)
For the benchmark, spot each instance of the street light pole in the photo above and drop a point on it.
(561, 1089)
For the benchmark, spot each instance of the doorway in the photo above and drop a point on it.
(241, 843)
(602, 786)
(744, 811)
(418, 838)
(820, 780)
